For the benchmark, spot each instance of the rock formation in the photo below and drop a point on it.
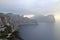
(15, 20)
(45, 19)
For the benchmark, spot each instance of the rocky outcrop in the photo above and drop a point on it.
(50, 19)
(15, 20)
(3, 20)
(45, 19)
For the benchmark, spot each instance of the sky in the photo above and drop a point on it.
(30, 6)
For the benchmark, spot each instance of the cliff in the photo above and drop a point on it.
(15, 20)
(45, 19)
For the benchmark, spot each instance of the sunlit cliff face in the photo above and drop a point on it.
(29, 16)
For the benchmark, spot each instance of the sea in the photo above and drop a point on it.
(41, 31)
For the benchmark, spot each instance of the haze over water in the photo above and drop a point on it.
(42, 31)
(35, 7)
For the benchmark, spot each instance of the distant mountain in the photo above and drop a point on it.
(45, 19)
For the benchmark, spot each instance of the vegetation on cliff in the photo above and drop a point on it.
(9, 34)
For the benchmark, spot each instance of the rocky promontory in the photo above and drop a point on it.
(45, 19)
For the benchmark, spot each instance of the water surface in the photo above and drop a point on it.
(42, 31)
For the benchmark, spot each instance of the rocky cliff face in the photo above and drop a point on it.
(46, 19)
(20, 20)
(15, 20)
(3, 20)
(6, 32)
(50, 19)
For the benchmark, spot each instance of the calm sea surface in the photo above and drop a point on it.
(42, 31)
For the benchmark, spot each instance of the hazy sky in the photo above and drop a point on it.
(30, 6)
